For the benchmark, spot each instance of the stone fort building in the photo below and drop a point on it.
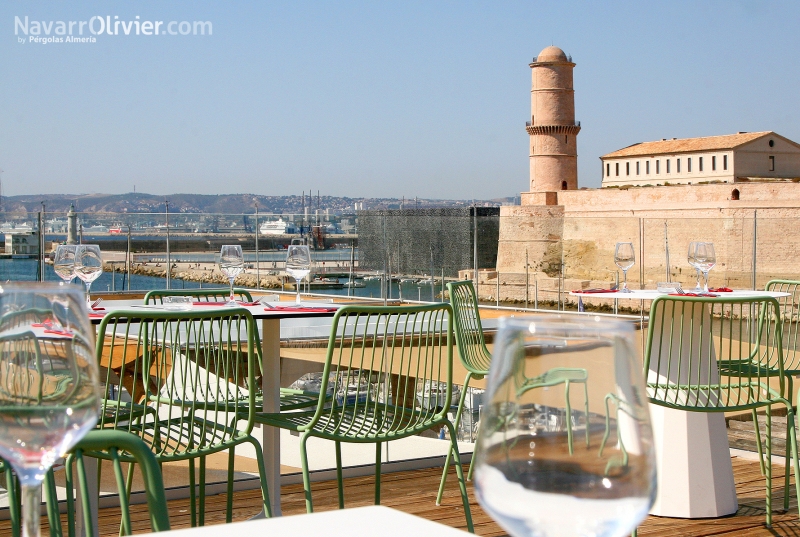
(740, 191)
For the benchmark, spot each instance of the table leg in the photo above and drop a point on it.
(270, 386)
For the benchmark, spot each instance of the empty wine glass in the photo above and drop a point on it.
(64, 267)
(565, 444)
(706, 259)
(231, 263)
(49, 387)
(298, 264)
(88, 265)
(624, 259)
(692, 258)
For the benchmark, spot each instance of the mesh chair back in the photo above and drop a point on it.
(200, 295)
(468, 328)
(713, 354)
(388, 372)
(178, 380)
(790, 321)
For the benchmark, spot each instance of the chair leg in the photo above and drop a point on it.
(447, 460)
(568, 410)
(262, 473)
(306, 477)
(192, 495)
(759, 447)
(339, 478)
(202, 499)
(586, 405)
(768, 466)
(462, 484)
(229, 501)
(378, 473)
(53, 517)
(14, 514)
(791, 437)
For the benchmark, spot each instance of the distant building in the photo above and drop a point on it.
(22, 243)
(732, 158)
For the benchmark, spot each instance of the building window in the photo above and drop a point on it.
(667, 165)
(678, 165)
(700, 164)
(772, 143)
(627, 168)
(771, 163)
(647, 167)
(689, 165)
(608, 170)
(637, 167)
(713, 164)
(658, 167)
(735, 194)
(724, 162)
(563, 185)
(616, 168)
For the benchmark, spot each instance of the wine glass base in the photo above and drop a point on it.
(232, 304)
(626, 290)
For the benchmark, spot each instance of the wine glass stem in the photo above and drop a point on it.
(31, 498)
(231, 298)
(625, 279)
(705, 277)
(698, 278)
(297, 288)
(88, 296)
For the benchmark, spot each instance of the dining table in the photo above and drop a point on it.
(695, 472)
(270, 315)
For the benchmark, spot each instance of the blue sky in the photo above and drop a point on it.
(374, 99)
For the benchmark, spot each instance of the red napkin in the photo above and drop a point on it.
(720, 290)
(301, 308)
(99, 308)
(694, 294)
(97, 315)
(59, 332)
(590, 291)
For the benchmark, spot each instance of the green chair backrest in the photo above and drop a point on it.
(388, 371)
(201, 295)
(179, 380)
(790, 320)
(713, 354)
(468, 328)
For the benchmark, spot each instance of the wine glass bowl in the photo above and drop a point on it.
(64, 262)
(692, 258)
(298, 264)
(231, 264)
(624, 258)
(88, 265)
(49, 387)
(565, 444)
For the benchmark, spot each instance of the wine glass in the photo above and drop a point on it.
(565, 444)
(231, 264)
(64, 267)
(49, 384)
(88, 265)
(692, 258)
(298, 264)
(706, 259)
(624, 259)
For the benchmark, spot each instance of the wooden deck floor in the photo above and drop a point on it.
(414, 492)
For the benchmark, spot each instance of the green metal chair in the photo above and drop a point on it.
(476, 359)
(179, 381)
(116, 446)
(390, 369)
(718, 355)
(201, 295)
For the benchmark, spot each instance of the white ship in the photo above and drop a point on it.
(9, 227)
(95, 230)
(278, 227)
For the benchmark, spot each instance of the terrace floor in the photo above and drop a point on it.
(414, 492)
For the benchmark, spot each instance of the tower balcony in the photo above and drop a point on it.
(572, 128)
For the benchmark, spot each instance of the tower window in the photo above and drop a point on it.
(713, 164)
(658, 167)
(724, 162)
(700, 164)
(771, 163)
(772, 143)
(637, 167)
(735, 194)
(678, 165)
(563, 185)
(616, 166)
(608, 170)
(627, 168)
(667, 165)
(689, 165)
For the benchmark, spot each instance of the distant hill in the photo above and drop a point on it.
(221, 203)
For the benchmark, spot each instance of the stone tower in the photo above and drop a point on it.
(552, 128)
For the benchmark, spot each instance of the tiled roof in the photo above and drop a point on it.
(707, 143)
